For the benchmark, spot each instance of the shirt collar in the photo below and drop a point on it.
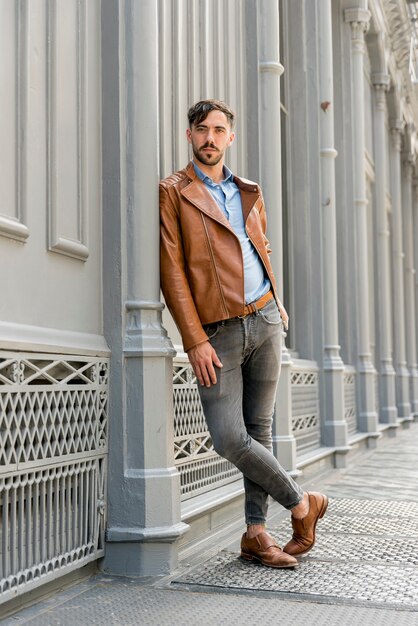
(206, 179)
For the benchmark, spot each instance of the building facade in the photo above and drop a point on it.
(104, 452)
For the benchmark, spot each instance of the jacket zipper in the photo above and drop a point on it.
(214, 265)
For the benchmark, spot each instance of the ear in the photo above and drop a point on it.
(231, 139)
(189, 135)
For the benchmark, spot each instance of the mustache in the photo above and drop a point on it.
(209, 145)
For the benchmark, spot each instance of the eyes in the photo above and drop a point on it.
(219, 130)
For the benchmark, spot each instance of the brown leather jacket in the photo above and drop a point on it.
(202, 274)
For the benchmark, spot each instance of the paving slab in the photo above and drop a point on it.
(116, 602)
(357, 559)
(363, 569)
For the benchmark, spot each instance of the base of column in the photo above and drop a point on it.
(388, 412)
(334, 428)
(284, 442)
(367, 419)
(284, 449)
(389, 415)
(406, 422)
(414, 390)
(340, 458)
(372, 440)
(133, 558)
(403, 392)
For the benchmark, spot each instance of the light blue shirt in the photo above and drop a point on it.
(227, 196)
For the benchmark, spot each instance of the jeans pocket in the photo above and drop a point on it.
(270, 313)
(212, 330)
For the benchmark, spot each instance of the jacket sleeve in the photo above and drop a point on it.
(173, 273)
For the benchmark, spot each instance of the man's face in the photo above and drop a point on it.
(210, 138)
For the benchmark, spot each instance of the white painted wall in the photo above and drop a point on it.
(50, 143)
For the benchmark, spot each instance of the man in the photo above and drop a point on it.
(218, 283)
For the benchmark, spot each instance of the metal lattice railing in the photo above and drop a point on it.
(350, 411)
(53, 451)
(199, 465)
(305, 406)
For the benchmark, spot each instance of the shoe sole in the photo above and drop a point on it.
(250, 557)
(320, 516)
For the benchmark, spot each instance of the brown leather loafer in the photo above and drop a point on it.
(304, 529)
(263, 548)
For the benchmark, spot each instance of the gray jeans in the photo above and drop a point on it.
(239, 408)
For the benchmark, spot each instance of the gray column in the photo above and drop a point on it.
(367, 415)
(415, 247)
(270, 69)
(144, 494)
(402, 374)
(387, 390)
(410, 315)
(334, 428)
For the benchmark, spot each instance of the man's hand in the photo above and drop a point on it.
(202, 358)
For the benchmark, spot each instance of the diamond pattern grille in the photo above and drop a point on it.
(350, 412)
(53, 445)
(51, 410)
(200, 467)
(305, 408)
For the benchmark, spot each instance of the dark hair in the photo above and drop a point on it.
(199, 111)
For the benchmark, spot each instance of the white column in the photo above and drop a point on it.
(367, 416)
(402, 374)
(387, 389)
(334, 428)
(410, 314)
(144, 493)
(269, 72)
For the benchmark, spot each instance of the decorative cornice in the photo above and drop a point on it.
(399, 29)
(400, 26)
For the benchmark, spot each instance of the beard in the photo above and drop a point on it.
(210, 158)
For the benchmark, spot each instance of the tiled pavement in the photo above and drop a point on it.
(363, 570)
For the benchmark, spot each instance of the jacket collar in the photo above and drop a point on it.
(195, 191)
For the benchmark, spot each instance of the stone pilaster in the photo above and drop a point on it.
(387, 389)
(402, 374)
(359, 18)
(144, 487)
(284, 442)
(334, 426)
(408, 244)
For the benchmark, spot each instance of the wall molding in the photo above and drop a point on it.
(41, 339)
(59, 240)
(14, 225)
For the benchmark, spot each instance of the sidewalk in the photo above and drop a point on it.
(363, 570)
